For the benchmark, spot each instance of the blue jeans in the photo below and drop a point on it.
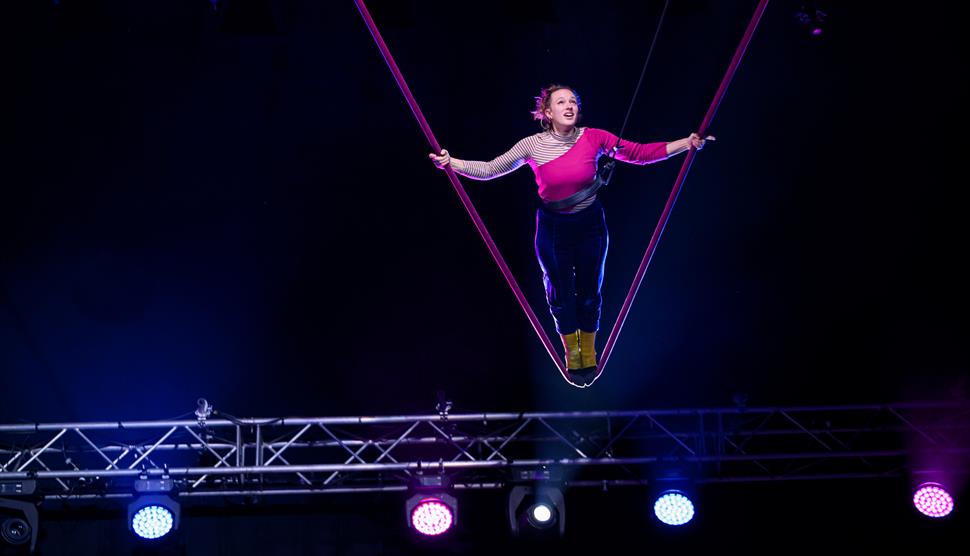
(572, 252)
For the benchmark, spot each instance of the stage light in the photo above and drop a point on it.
(153, 516)
(812, 19)
(673, 507)
(18, 523)
(18, 518)
(152, 522)
(15, 531)
(673, 491)
(431, 511)
(932, 500)
(541, 515)
(536, 510)
(432, 516)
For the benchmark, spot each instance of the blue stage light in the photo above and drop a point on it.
(152, 522)
(153, 517)
(673, 507)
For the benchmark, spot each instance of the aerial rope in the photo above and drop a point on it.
(606, 172)
(453, 178)
(678, 185)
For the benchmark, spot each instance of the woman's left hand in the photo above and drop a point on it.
(696, 142)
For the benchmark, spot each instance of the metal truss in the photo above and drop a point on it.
(224, 456)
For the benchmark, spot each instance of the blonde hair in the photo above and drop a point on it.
(544, 100)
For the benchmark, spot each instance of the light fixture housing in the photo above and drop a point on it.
(431, 510)
(673, 493)
(535, 510)
(19, 519)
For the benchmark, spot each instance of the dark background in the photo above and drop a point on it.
(237, 204)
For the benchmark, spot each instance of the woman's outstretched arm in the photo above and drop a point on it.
(480, 170)
(646, 153)
(692, 140)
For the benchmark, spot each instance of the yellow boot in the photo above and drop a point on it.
(587, 349)
(571, 344)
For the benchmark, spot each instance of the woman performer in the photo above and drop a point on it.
(571, 236)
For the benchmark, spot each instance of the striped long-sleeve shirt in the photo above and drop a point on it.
(563, 166)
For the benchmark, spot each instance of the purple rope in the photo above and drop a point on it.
(453, 178)
(678, 184)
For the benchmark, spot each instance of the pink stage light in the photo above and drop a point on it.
(932, 500)
(432, 517)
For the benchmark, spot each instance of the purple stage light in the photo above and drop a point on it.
(932, 500)
(432, 517)
(811, 18)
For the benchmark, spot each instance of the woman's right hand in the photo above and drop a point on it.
(440, 161)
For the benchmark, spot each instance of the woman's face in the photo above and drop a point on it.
(563, 109)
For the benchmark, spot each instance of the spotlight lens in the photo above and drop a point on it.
(152, 522)
(932, 500)
(431, 517)
(673, 508)
(541, 513)
(15, 531)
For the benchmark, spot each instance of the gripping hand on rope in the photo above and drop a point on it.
(698, 143)
(693, 140)
(441, 160)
